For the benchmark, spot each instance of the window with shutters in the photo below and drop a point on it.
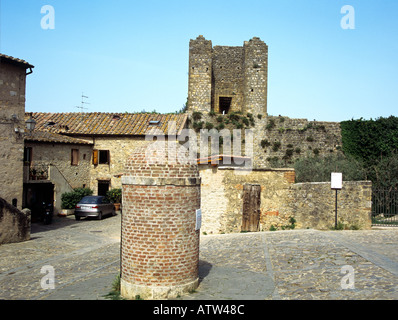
(101, 157)
(75, 157)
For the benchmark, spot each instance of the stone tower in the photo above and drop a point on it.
(225, 79)
(200, 75)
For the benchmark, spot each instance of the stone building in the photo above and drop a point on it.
(13, 74)
(105, 141)
(228, 90)
(226, 79)
(54, 164)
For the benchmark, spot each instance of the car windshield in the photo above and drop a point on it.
(91, 200)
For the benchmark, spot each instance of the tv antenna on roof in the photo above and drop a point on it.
(83, 103)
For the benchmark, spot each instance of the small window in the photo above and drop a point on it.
(27, 156)
(103, 157)
(75, 157)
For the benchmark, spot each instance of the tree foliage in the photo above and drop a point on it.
(319, 169)
(370, 150)
(370, 140)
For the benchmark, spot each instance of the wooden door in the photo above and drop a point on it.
(251, 208)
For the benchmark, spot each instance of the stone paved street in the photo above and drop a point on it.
(298, 264)
(84, 255)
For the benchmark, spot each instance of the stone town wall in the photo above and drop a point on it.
(286, 139)
(277, 140)
(12, 111)
(313, 205)
(14, 224)
(221, 196)
(310, 204)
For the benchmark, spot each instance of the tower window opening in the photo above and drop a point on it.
(225, 105)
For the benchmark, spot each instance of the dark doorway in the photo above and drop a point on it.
(251, 208)
(225, 104)
(103, 187)
(35, 194)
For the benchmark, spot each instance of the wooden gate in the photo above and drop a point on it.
(251, 208)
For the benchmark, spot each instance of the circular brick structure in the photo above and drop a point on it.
(160, 244)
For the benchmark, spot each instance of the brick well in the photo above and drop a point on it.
(160, 246)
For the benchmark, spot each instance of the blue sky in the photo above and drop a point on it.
(133, 55)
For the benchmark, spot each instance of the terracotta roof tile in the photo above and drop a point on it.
(129, 124)
(10, 59)
(41, 136)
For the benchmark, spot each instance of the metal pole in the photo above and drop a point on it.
(335, 222)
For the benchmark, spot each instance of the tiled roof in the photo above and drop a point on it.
(129, 124)
(13, 60)
(41, 136)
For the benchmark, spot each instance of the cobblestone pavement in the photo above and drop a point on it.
(297, 264)
(300, 264)
(84, 254)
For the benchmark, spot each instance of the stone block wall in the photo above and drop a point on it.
(12, 125)
(59, 155)
(239, 74)
(55, 160)
(120, 148)
(228, 76)
(287, 139)
(222, 202)
(200, 75)
(313, 205)
(14, 224)
(310, 204)
(256, 76)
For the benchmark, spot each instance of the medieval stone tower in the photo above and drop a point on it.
(227, 79)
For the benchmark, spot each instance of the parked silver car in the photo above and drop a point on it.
(94, 206)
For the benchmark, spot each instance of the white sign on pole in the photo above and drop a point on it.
(198, 219)
(337, 180)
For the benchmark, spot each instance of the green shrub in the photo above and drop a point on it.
(265, 143)
(197, 116)
(271, 124)
(114, 195)
(318, 169)
(276, 146)
(209, 126)
(71, 199)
